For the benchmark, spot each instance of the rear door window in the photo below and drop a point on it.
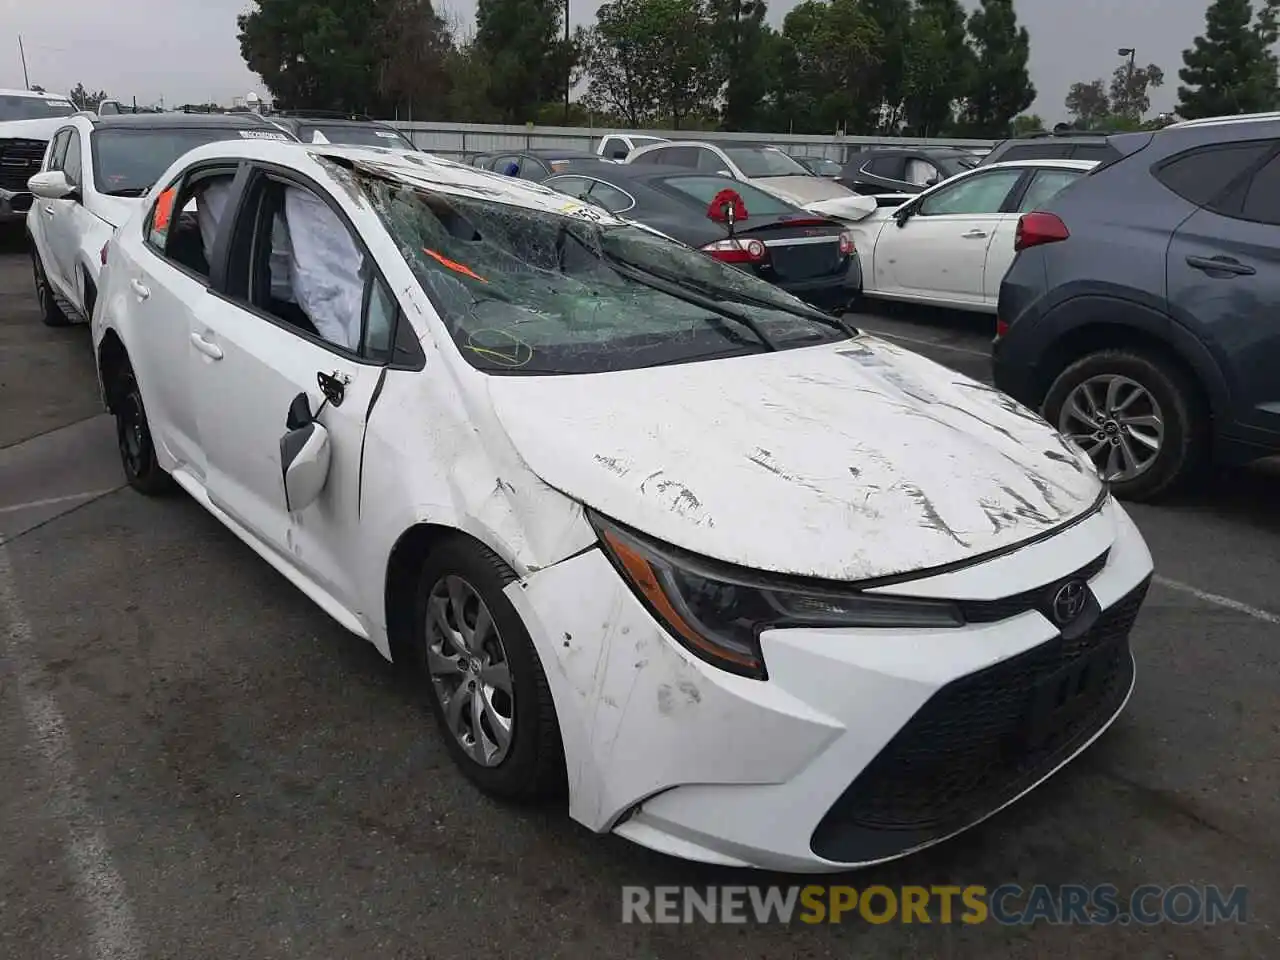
(1046, 185)
(1203, 175)
(1262, 196)
(610, 197)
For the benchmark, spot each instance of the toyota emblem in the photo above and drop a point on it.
(1069, 601)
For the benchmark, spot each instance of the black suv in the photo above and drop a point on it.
(346, 128)
(1057, 145)
(1139, 314)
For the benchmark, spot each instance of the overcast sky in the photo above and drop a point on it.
(186, 50)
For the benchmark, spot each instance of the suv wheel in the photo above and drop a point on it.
(1138, 417)
(50, 312)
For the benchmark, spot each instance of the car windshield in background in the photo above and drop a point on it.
(33, 108)
(765, 162)
(825, 168)
(356, 135)
(524, 291)
(704, 190)
(126, 162)
(956, 164)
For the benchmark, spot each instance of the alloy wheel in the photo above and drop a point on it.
(469, 670)
(1117, 422)
(131, 432)
(42, 289)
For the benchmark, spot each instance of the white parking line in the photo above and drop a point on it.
(926, 343)
(112, 933)
(50, 501)
(1219, 600)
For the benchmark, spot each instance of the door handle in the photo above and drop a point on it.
(140, 289)
(1221, 265)
(210, 350)
(974, 235)
(48, 209)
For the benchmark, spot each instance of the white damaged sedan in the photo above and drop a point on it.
(749, 586)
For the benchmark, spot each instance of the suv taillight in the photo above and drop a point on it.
(1035, 229)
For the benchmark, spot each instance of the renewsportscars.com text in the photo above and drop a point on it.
(1008, 904)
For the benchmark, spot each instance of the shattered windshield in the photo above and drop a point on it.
(527, 291)
(361, 135)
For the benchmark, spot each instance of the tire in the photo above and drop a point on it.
(50, 313)
(532, 766)
(133, 437)
(1181, 449)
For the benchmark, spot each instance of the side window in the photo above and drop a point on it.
(709, 161)
(71, 160)
(1201, 176)
(508, 164)
(570, 186)
(674, 157)
(184, 222)
(1262, 198)
(980, 193)
(921, 172)
(615, 149)
(531, 168)
(611, 198)
(1046, 185)
(296, 260)
(380, 315)
(888, 167)
(58, 150)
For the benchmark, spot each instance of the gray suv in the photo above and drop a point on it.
(1139, 314)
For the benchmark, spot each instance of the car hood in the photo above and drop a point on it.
(40, 129)
(847, 462)
(818, 195)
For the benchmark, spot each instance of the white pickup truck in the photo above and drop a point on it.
(28, 120)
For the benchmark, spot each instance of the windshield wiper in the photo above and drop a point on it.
(660, 283)
(732, 296)
(127, 192)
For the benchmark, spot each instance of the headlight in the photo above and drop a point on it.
(718, 612)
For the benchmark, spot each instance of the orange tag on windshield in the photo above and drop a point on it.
(454, 265)
(164, 210)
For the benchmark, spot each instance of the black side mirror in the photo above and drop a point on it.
(299, 413)
(932, 181)
(903, 213)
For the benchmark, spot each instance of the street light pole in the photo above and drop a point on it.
(568, 63)
(1129, 52)
(26, 81)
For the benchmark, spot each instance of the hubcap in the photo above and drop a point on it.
(469, 671)
(1117, 422)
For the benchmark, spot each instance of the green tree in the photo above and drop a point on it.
(620, 51)
(413, 75)
(84, 99)
(1026, 123)
(1089, 104)
(1130, 92)
(740, 36)
(467, 100)
(1000, 87)
(939, 65)
(521, 41)
(316, 53)
(830, 61)
(1230, 69)
(885, 84)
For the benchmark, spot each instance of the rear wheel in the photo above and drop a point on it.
(1138, 416)
(133, 436)
(50, 313)
(485, 680)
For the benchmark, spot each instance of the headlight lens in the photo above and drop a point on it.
(718, 613)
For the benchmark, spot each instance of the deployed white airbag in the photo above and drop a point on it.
(324, 267)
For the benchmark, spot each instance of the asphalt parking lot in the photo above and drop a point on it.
(196, 762)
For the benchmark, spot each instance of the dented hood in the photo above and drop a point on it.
(848, 462)
(819, 195)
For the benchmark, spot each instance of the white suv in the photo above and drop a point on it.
(94, 174)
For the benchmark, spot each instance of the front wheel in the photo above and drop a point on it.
(133, 437)
(1138, 417)
(485, 680)
(50, 313)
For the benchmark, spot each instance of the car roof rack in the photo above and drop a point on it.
(323, 115)
(1236, 118)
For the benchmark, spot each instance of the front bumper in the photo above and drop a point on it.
(14, 206)
(864, 745)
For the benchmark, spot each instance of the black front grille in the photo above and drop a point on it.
(983, 739)
(19, 159)
(807, 261)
